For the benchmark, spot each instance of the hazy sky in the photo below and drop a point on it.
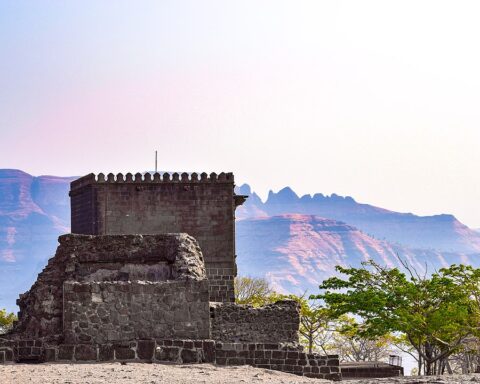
(379, 100)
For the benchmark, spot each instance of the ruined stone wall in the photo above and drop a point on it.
(202, 206)
(272, 323)
(277, 356)
(101, 312)
(81, 258)
(369, 369)
(146, 350)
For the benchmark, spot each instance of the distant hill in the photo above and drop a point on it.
(441, 232)
(34, 211)
(296, 252)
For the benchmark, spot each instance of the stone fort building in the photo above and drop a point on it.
(147, 275)
(201, 205)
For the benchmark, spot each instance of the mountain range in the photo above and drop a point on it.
(34, 211)
(295, 242)
(440, 232)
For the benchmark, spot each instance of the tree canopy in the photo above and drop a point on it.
(252, 290)
(6, 320)
(436, 313)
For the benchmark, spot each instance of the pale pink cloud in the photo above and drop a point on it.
(11, 232)
(8, 255)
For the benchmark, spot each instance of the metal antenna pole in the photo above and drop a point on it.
(156, 161)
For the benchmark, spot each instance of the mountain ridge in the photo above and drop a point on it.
(34, 211)
(442, 232)
(296, 252)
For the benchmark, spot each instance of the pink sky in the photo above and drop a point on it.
(373, 99)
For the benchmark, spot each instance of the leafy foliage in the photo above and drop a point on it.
(435, 314)
(350, 345)
(6, 320)
(252, 290)
(315, 323)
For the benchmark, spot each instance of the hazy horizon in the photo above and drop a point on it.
(375, 100)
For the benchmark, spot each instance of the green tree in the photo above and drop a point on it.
(351, 346)
(6, 320)
(315, 322)
(435, 314)
(468, 278)
(252, 290)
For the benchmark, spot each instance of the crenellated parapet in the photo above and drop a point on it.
(148, 178)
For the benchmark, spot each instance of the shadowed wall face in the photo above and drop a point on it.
(203, 208)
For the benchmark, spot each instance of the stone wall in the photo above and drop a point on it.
(277, 356)
(81, 258)
(147, 350)
(355, 370)
(202, 206)
(277, 322)
(283, 357)
(101, 312)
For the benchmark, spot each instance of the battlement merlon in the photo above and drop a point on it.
(152, 178)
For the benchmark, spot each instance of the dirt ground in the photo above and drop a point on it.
(136, 373)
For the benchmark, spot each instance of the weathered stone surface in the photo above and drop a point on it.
(65, 352)
(145, 349)
(8, 354)
(106, 352)
(136, 310)
(124, 352)
(208, 351)
(370, 370)
(190, 356)
(286, 357)
(26, 351)
(85, 352)
(50, 354)
(170, 354)
(244, 323)
(90, 259)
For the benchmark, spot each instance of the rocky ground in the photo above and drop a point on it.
(135, 373)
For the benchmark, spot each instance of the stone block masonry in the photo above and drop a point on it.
(277, 356)
(369, 369)
(101, 312)
(148, 350)
(272, 323)
(201, 205)
(283, 357)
